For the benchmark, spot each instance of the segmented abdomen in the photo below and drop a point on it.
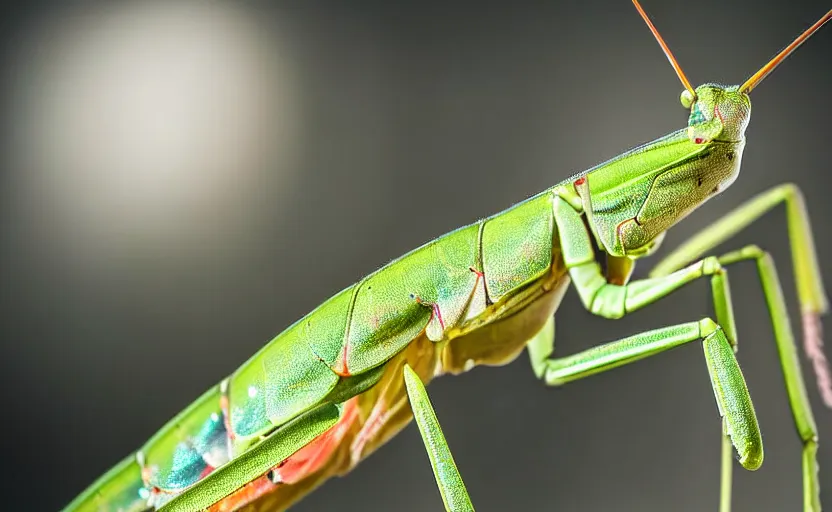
(434, 289)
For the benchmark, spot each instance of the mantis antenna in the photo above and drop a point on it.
(758, 77)
(667, 52)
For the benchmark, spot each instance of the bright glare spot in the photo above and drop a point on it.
(147, 122)
(252, 391)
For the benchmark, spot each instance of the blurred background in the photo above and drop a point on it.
(182, 180)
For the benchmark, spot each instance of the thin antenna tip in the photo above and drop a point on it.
(764, 71)
(665, 49)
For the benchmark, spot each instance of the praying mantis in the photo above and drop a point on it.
(335, 385)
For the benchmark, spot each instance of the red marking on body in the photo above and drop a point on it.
(159, 496)
(298, 466)
(344, 371)
(243, 496)
(580, 181)
(698, 140)
(307, 460)
(438, 313)
(435, 311)
(480, 276)
(207, 471)
(718, 114)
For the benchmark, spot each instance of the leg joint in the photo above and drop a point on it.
(749, 252)
(707, 327)
(711, 265)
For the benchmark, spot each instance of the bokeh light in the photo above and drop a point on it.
(147, 122)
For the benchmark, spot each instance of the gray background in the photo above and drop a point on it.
(405, 120)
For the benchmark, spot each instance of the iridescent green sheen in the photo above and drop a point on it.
(174, 456)
(256, 461)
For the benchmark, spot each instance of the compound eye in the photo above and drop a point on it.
(687, 99)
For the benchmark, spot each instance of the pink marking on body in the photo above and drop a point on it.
(315, 455)
(376, 420)
(813, 346)
(438, 313)
(434, 308)
(718, 114)
(298, 466)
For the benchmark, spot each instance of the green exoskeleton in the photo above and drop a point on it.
(337, 384)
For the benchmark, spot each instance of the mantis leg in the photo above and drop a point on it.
(810, 291)
(795, 385)
(453, 491)
(730, 390)
(614, 300)
(812, 299)
(740, 426)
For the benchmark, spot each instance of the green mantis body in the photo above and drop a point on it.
(342, 380)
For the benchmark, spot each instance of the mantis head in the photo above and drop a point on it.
(630, 207)
(717, 113)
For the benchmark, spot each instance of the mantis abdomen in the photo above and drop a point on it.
(440, 308)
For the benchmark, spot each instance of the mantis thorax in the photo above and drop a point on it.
(632, 200)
